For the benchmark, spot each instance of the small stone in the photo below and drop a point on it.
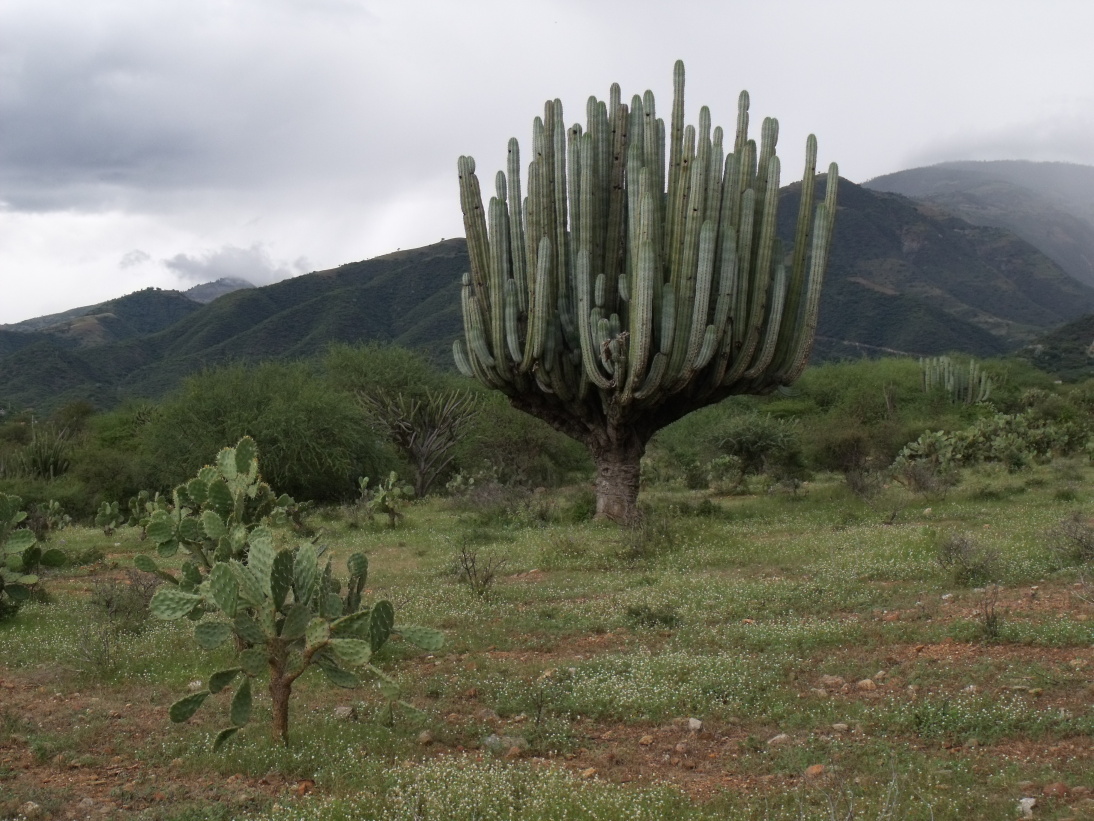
(486, 714)
(1057, 789)
(947, 596)
(345, 713)
(681, 748)
(646, 740)
(972, 688)
(425, 738)
(840, 728)
(695, 725)
(30, 810)
(815, 770)
(1035, 691)
(866, 685)
(880, 675)
(1080, 791)
(832, 681)
(589, 773)
(1025, 807)
(513, 752)
(780, 739)
(503, 744)
(195, 686)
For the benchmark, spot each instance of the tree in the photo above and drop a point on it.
(424, 429)
(313, 440)
(627, 291)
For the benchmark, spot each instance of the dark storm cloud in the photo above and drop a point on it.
(253, 264)
(118, 107)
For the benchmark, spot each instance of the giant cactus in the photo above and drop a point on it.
(627, 289)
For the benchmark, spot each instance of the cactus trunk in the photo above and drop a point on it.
(280, 691)
(618, 470)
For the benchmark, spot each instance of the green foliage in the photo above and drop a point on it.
(48, 454)
(762, 444)
(285, 615)
(44, 519)
(1014, 440)
(21, 556)
(386, 498)
(425, 429)
(313, 437)
(372, 367)
(535, 455)
(211, 517)
(109, 517)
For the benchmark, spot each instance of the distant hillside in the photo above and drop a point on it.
(410, 298)
(903, 278)
(208, 291)
(907, 277)
(1050, 205)
(137, 314)
(1066, 352)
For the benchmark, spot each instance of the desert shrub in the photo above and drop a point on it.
(48, 453)
(312, 437)
(662, 617)
(123, 603)
(1073, 539)
(648, 538)
(476, 568)
(970, 562)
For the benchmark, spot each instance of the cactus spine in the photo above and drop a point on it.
(624, 292)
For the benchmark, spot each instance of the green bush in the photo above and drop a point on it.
(313, 439)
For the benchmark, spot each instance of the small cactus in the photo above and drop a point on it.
(387, 497)
(285, 615)
(21, 556)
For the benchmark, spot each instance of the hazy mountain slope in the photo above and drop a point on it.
(208, 291)
(1050, 205)
(903, 277)
(907, 277)
(1066, 352)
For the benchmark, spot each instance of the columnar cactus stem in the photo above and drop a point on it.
(627, 290)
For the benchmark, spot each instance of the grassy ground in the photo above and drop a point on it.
(775, 656)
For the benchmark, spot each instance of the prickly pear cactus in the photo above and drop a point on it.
(211, 516)
(387, 497)
(20, 556)
(109, 517)
(285, 615)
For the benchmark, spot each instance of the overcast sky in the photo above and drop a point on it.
(170, 142)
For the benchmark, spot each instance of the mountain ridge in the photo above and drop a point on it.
(902, 276)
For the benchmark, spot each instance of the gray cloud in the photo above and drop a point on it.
(134, 258)
(272, 129)
(1059, 138)
(253, 264)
